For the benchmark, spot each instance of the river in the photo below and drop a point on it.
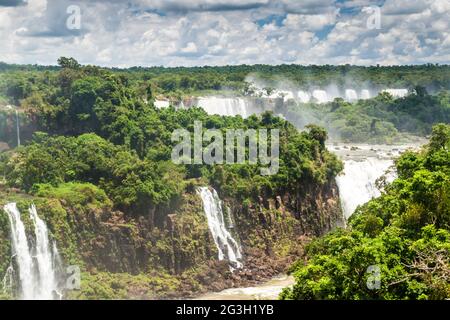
(266, 291)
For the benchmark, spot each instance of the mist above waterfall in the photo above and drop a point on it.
(348, 89)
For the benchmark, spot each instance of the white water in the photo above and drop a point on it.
(227, 246)
(17, 128)
(286, 95)
(325, 95)
(365, 94)
(321, 96)
(44, 257)
(362, 167)
(351, 95)
(396, 93)
(225, 106)
(303, 96)
(161, 104)
(269, 290)
(8, 280)
(36, 264)
(357, 185)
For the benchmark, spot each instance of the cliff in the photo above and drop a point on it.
(126, 256)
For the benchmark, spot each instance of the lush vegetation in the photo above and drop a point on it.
(405, 233)
(96, 128)
(182, 80)
(94, 147)
(73, 99)
(378, 120)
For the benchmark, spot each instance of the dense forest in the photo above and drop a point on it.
(189, 80)
(383, 119)
(43, 94)
(93, 109)
(93, 148)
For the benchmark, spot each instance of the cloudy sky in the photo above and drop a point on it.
(219, 32)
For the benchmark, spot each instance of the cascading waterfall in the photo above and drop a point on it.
(21, 251)
(351, 95)
(233, 106)
(303, 96)
(396, 93)
(18, 128)
(357, 185)
(227, 246)
(224, 106)
(160, 104)
(324, 95)
(8, 280)
(37, 267)
(320, 96)
(44, 256)
(365, 94)
(363, 165)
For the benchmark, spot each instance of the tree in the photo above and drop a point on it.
(69, 63)
(440, 137)
(317, 133)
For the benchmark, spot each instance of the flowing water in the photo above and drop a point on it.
(8, 280)
(225, 106)
(365, 94)
(161, 104)
(363, 165)
(396, 93)
(351, 95)
(303, 96)
(327, 95)
(17, 128)
(227, 246)
(269, 290)
(321, 96)
(36, 260)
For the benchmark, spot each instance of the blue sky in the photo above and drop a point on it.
(219, 32)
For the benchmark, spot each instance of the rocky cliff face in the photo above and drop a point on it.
(122, 256)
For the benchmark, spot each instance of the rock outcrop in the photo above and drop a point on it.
(135, 256)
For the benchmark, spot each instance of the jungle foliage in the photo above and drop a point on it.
(404, 234)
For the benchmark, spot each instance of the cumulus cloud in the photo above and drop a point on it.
(207, 32)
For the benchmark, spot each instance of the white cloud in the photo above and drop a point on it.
(201, 32)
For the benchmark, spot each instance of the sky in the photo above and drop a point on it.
(225, 32)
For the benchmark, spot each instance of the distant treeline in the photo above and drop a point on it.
(187, 80)
(51, 95)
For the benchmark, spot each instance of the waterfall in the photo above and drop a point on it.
(44, 257)
(396, 93)
(351, 95)
(161, 104)
(357, 185)
(226, 245)
(363, 165)
(8, 280)
(303, 96)
(18, 128)
(21, 251)
(224, 106)
(365, 94)
(36, 264)
(321, 96)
